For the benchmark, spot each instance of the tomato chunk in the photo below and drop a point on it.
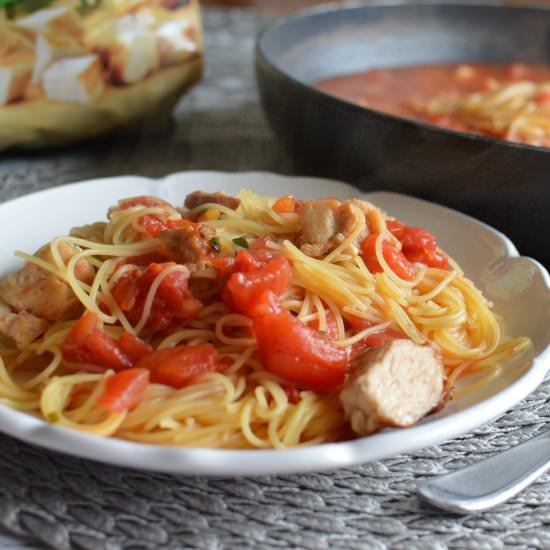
(177, 366)
(135, 348)
(373, 341)
(262, 252)
(88, 347)
(285, 204)
(173, 300)
(298, 353)
(395, 259)
(543, 98)
(245, 261)
(419, 245)
(332, 328)
(124, 390)
(245, 288)
(152, 224)
(396, 227)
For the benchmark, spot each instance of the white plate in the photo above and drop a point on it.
(519, 288)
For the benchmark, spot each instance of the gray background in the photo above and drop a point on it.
(49, 500)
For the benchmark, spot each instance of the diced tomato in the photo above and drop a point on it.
(154, 226)
(396, 260)
(431, 258)
(244, 289)
(378, 339)
(298, 353)
(134, 348)
(262, 252)
(419, 245)
(124, 390)
(106, 351)
(373, 341)
(357, 323)
(543, 98)
(224, 264)
(332, 327)
(245, 261)
(177, 366)
(173, 300)
(292, 394)
(396, 228)
(266, 304)
(417, 238)
(285, 204)
(177, 223)
(82, 329)
(88, 347)
(151, 223)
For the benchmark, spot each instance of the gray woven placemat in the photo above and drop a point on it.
(50, 500)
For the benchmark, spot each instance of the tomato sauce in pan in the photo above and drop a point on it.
(405, 91)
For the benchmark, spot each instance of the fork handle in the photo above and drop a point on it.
(490, 482)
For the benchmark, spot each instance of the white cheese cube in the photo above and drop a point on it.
(129, 44)
(15, 75)
(60, 19)
(75, 80)
(175, 44)
(51, 47)
(133, 56)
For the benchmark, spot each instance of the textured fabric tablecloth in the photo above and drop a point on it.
(49, 500)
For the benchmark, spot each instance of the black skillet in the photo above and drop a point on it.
(504, 184)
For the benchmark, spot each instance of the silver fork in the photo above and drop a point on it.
(490, 482)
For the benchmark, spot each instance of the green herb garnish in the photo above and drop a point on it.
(14, 7)
(215, 244)
(53, 418)
(240, 241)
(87, 6)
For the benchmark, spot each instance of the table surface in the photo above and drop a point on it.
(50, 500)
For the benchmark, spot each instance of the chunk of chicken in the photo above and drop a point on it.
(21, 328)
(191, 243)
(198, 198)
(394, 385)
(325, 223)
(42, 293)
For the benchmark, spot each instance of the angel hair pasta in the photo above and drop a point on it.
(242, 322)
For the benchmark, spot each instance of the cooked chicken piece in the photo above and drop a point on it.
(198, 198)
(40, 292)
(325, 223)
(204, 282)
(21, 328)
(191, 243)
(394, 385)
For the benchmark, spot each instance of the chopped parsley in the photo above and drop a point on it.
(241, 241)
(215, 244)
(53, 417)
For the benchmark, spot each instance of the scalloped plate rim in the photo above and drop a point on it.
(192, 461)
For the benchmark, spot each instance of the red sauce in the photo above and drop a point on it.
(403, 91)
